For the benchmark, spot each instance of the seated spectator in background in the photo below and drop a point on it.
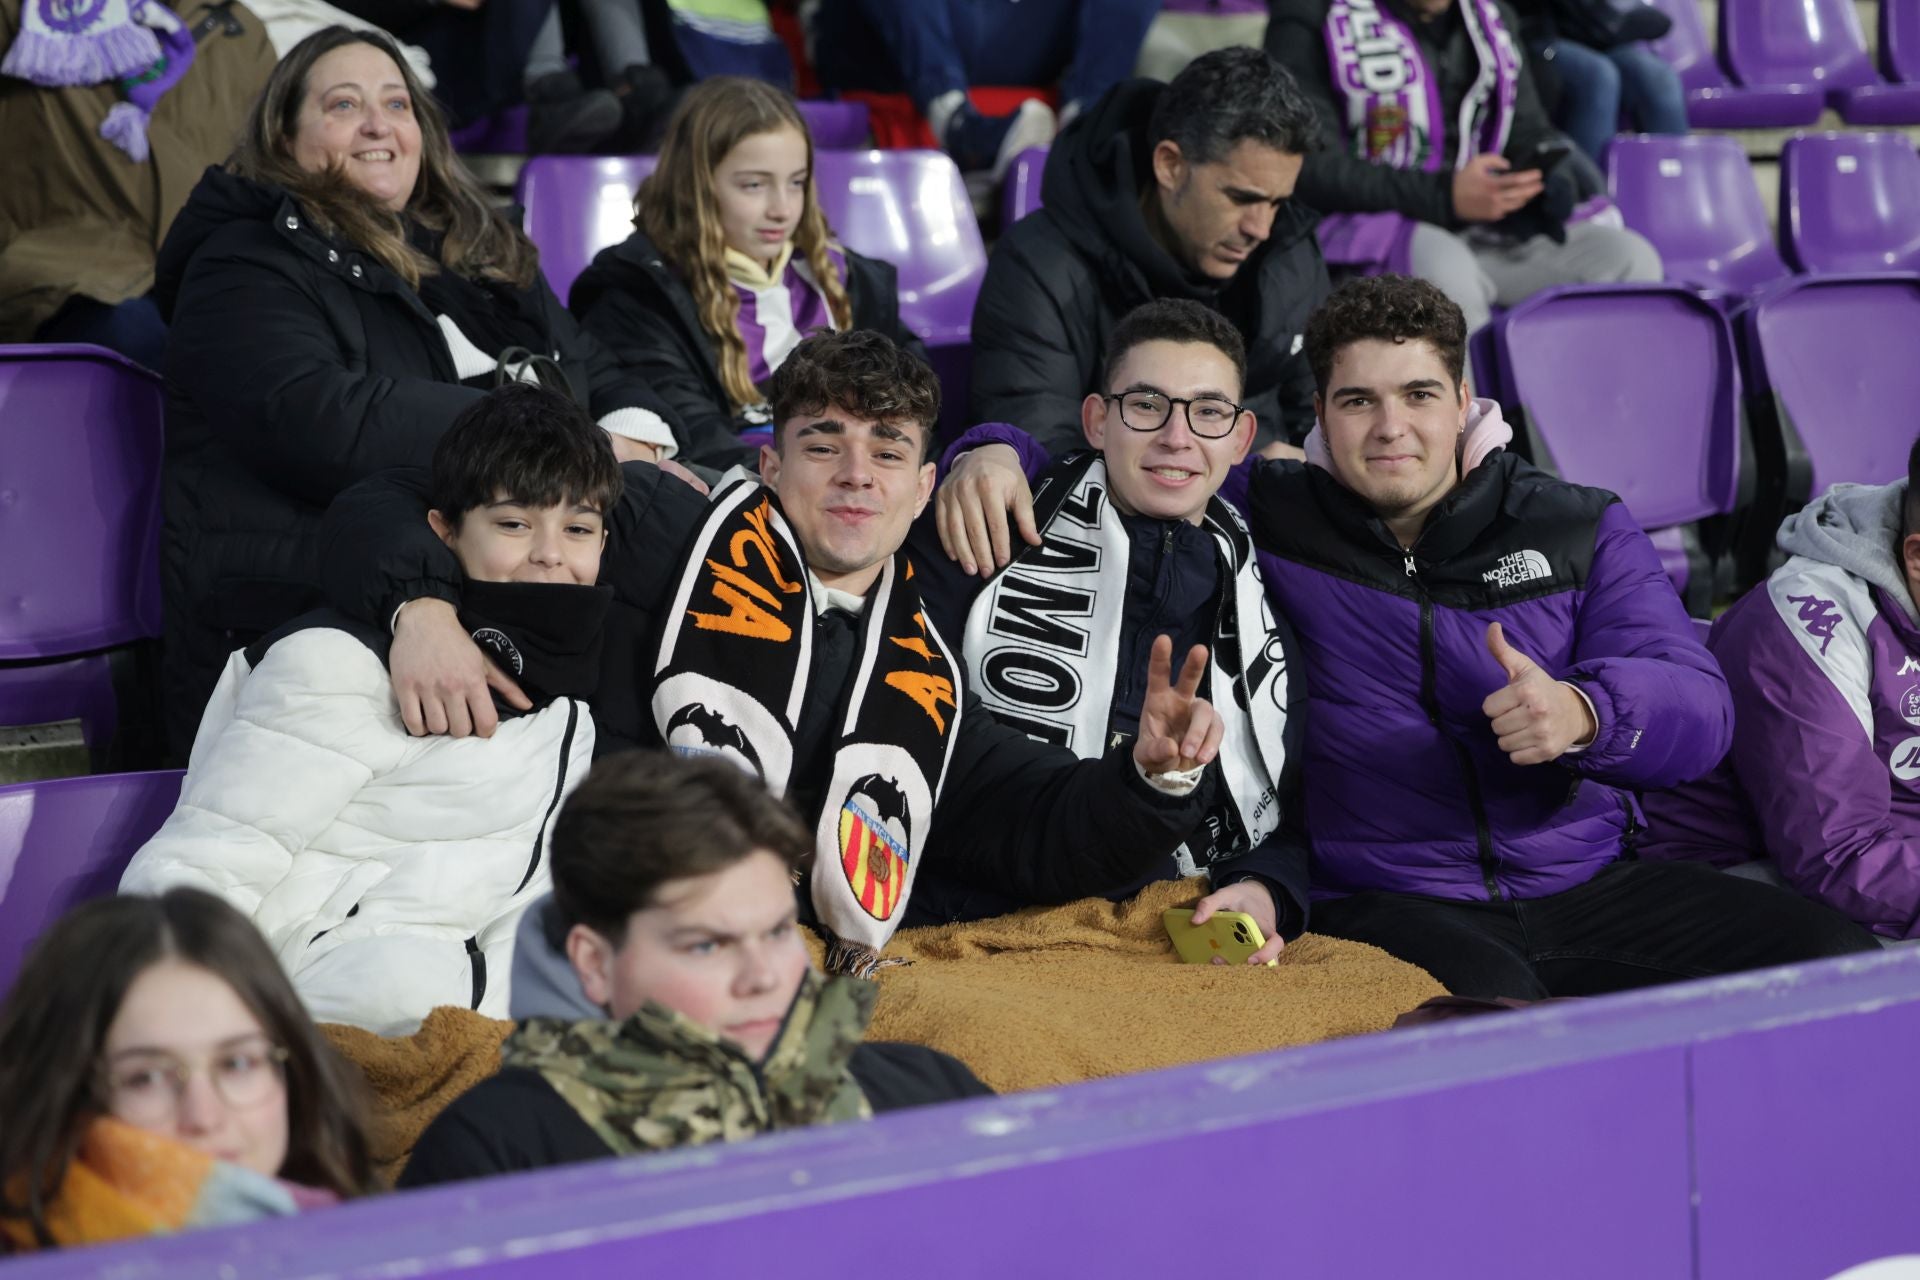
(1823, 781)
(337, 295)
(390, 879)
(157, 1073)
(1496, 662)
(781, 625)
(1429, 112)
(694, 1015)
(1160, 191)
(80, 213)
(934, 50)
(623, 116)
(1595, 53)
(1186, 29)
(732, 265)
(1130, 543)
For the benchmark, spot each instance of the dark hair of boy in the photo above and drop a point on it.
(1388, 309)
(53, 1030)
(860, 372)
(645, 818)
(1228, 97)
(1174, 320)
(525, 445)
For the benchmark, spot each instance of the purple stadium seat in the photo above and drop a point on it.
(837, 126)
(1900, 40)
(1714, 101)
(575, 207)
(1850, 202)
(1020, 193)
(80, 527)
(1833, 357)
(1695, 199)
(1816, 42)
(65, 841)
(504, 133)
(1636, 389)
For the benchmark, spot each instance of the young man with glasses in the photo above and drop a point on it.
(1123, 544)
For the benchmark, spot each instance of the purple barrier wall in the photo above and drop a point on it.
(1754, 1127)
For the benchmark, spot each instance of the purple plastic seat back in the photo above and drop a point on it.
(1850, 202)
(1687, 48)
(1769, 42)
(1713, 102)
(1632, 388)
(1020, 194)
(1900, 40)
(66, 841)
(575, 207)
(1837, 354)
(1694, 197)
(837, 126)
(911, 209)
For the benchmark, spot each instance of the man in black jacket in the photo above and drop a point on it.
(1181, 190)
(780, 625)
(1433, 116)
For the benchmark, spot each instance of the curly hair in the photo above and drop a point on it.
(1174, 320)
(860, 372)
(1390, 309)
(677, 208)
(479, 244)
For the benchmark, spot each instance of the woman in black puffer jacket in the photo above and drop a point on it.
(337, 293)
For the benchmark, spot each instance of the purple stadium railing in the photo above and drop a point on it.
(1750, 1128)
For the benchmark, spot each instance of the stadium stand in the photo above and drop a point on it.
(1850, 202)
(1816, 42)
(1713, 100)
(1695, 199)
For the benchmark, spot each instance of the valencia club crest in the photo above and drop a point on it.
(874, 836)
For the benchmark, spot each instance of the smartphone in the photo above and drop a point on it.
(1230, 935)
(1545, 156)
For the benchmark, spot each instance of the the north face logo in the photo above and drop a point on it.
(1819, 617)
(1521, 566)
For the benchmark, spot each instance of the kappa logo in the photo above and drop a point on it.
(1819, 616)
(1910, 666)
(1519, 567)
(1904, 760)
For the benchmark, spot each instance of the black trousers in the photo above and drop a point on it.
(1635, 924)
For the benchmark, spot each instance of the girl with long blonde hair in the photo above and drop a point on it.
(730, 265)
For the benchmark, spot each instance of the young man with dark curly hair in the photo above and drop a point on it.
(778, 623)
(1495, 665)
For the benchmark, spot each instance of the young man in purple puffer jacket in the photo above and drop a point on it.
(1495, 664)
(1823, 781)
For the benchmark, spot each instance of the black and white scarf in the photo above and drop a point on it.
(1044, 641)
(731, 677)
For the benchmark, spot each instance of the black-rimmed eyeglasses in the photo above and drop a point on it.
(1209, 417)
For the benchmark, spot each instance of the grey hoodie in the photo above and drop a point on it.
(1855, 527)
(544, 983)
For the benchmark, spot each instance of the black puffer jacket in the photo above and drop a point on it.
(641, 310)
(1337, 181)
(296, 365)
(1061, 278)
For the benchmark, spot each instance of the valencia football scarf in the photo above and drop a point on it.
(1392, 100)
(731, 677)
(1044, 639)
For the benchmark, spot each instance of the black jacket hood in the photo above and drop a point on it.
(1100, 164)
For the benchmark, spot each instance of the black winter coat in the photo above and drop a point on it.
(296, 365)
(1061, 278)
(1017, 817)
(1337, 181)
(641, 310)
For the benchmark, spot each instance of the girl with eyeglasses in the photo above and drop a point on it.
(158, 1073)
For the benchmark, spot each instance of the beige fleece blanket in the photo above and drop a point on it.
(413, 1078)
(1054, 995)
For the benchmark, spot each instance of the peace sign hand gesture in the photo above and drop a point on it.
(1178, 730)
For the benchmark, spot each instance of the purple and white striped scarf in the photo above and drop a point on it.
(1392, 100)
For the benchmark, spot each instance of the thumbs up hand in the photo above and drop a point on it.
(1536, 717)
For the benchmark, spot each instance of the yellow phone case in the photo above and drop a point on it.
(1231, 935)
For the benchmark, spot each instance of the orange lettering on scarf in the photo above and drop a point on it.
(760, 538)
(753, 609)
(928, 691)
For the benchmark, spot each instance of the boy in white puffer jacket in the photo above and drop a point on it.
(389, 872)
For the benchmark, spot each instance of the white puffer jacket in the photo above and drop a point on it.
(387, 872)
